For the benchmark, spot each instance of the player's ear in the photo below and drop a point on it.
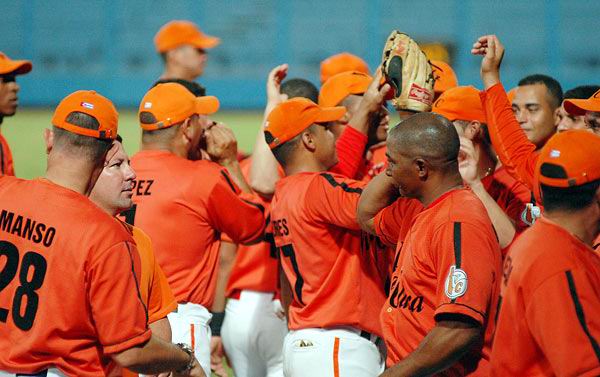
(186, 131)
(556, 116)
(308, 139)
(472, 130)
(48, 139)
(421, 167)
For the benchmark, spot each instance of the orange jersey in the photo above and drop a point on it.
(515, 151)
(6, 158)
(549, 321)
(335, 280)
(183, 206)
(375, 164)
(448, 262)
(68, 292)
(255, 266)
(511, 195)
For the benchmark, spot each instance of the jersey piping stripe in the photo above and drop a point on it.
(193, 337)
(259, 206)
(343, 185)
(457, 248)
(581, 315)
(137, 285)
(229, 181)
(2, 159)
(336, 357)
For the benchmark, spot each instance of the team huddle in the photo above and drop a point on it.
(462, 241)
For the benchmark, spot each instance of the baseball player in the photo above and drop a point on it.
(67, 261)
(342, 62)
(503, 196)
(9, 101)
(549, 321)
(567, 121)
(333, 326)
(184, 205)
(346, 89)
(112, 193)
(438, 317)
(182, 46)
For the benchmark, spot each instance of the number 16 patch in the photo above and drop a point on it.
(456, 283)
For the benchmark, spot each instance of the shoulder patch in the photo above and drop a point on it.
(456, 283)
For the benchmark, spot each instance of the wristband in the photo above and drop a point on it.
(185, 348)
(216, 323)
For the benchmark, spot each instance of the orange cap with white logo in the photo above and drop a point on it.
(93, 104)
(342, 85)
(172, 103)
(177, 33)
(291, 117)
(569, 158)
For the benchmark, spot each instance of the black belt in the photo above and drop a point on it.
(365, 334)
(43, 373)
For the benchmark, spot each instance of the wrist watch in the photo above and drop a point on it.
(185, 348)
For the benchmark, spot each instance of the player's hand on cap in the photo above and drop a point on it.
(375, 96)
(221, 144)
(492, 50)
(274, 80)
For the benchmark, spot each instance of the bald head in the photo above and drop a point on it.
(426, 135)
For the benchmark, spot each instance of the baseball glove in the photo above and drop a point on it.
(406, 68)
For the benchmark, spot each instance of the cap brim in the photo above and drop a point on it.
(18, 67)
(580, 106)
(329, 114)
(206, 41)
(207, 105)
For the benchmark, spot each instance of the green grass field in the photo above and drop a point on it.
(24, 133)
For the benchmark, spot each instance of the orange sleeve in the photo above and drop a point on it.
(467, 262)
(566, 307)
(116, 305)
(239, 215)
(515, 151)
(161, 300)
(334, 199)
(393, 222)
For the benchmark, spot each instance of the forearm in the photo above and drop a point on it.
(226, 260)
(350, 148)
(154, 357)
(235, 171)
(505, 229)
(162, 329)
(439, 350)
(264, 170)
(378, 194)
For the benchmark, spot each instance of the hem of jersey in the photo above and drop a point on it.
(162, 313)
(457, 308)
(128, 343)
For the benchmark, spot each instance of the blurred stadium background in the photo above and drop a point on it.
(107, 46)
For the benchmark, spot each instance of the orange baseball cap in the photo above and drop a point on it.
(460, 103)
(177, 33)
(18, 67)
(569, 159)
(172, 103)
(580, 106)
(444, 75)
(343, 62)
(291, 117)
(93, 104)
(342, 85)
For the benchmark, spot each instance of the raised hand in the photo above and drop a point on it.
(221, 144)
(468, 160)
(274, 80)
(492, 50)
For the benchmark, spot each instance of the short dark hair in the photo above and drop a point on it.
(581, 92)
(569, 198)
(302, 88)
(283, 152)
(192, 86)
(93, 149)
(554, 89)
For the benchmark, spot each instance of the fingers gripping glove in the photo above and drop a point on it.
(406, 68)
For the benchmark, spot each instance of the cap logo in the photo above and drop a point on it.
(87, 105)
(456, 283)
(147, 105)
(555, 153)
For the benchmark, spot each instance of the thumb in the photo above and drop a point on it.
(491, 50)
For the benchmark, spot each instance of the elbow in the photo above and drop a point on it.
(365, 220)
(263, 187)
